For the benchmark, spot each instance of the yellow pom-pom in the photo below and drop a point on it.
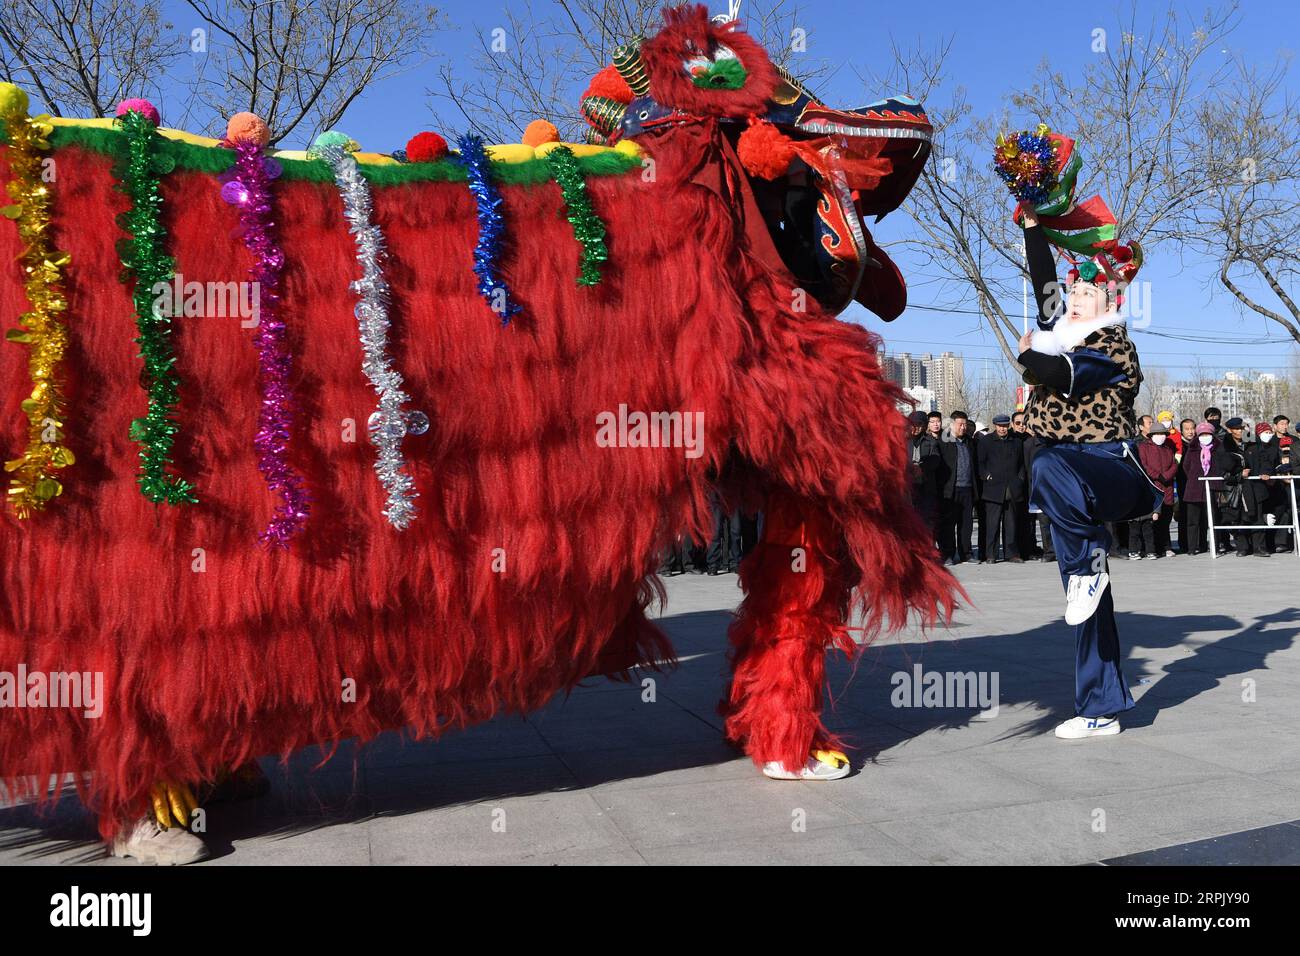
(246, 128)
(12, 100)
(540, 131)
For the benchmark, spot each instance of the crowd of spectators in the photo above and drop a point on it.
(973, 487)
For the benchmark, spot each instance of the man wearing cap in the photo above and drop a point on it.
(1237, 497)
(1086, 376)
(1001, 460)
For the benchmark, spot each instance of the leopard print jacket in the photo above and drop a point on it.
(1103, 415)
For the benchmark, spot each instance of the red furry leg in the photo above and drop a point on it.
(795, 609)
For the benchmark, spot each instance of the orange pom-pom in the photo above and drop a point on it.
(247, 128)
(765, 151)
(541, 131)
(425, 148)
(609, 84)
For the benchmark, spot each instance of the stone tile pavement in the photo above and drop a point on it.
(607, 777)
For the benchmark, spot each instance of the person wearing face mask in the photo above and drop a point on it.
(1280, 494)
(1149, 534)
(1186, 441)
(1198, 462)
(1264, 460)
(1086, 377)
(1166, 419)
(1215, 418)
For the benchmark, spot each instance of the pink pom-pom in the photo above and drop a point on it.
(143, 107)
(425, 148)
(247, 128)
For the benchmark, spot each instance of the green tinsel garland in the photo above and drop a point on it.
(587, 227)
(146, 263)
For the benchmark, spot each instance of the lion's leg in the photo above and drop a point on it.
(165, 833)
(162, 836)
(794, 611)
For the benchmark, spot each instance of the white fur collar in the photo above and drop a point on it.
(1065, 335)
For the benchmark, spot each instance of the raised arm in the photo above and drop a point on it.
(1042, 271)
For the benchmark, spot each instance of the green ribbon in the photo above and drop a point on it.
(1086, 242)
(146, 263)
(587, 226)
(1062, 197)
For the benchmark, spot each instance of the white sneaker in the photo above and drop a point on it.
(1076, 728)
(823, 765)
(149, 843)
(1083, 594)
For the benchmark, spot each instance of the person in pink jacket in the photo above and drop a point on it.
(1149, 535)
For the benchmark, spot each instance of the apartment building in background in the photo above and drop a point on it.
(934, 382)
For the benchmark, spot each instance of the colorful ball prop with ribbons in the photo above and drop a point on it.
(1041, 169)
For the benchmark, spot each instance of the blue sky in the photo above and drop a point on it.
(992, 44)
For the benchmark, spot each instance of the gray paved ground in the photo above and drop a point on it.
(603, 777)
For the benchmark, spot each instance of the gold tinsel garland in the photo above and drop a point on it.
(33, 483)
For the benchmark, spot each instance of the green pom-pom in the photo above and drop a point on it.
(334, 138)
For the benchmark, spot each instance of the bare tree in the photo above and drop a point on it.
(1130, 109)
(85, 56)
(1248, 139)
(299, 64)
(534, 65)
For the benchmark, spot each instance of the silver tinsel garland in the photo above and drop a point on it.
(390, 423)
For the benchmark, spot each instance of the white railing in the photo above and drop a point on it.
(1295, 517)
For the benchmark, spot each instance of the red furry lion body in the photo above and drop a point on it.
(215, 650)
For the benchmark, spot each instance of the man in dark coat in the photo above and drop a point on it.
(1026, 543)
(1237, 497)
(1001, 461)
(923, 449)
(1264, 460)
(1031, 445)
(960, 488)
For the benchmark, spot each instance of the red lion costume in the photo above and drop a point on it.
(215, 650)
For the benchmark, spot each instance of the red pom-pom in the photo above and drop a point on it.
(426, 148)
(609, 83)
(765, 151)
(143, 107)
